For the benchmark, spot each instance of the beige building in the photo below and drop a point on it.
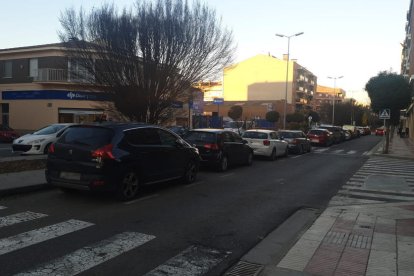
(37, 89)
(325, 94)
(263, 78)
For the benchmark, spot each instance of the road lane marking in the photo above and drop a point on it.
(193, 261)
(91, 256)
(19, 217)
(141, 199)
(297, 156)
(2, 207)
(42, 234)
(338, 151)
(320, 150)
(351, 152)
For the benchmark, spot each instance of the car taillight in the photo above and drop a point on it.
(51, 148)
(103, 153)
(211, 146)
(266, 142)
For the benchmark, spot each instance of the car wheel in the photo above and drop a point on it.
(273, 155)
(223, 165)
(286, 152)
(190, 173)
(46, 149)
(249, 160)
(300, 151)
(310, 148)
(129, 186)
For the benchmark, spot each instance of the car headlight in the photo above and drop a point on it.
(38, 141)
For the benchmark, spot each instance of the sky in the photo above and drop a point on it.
(355, 39)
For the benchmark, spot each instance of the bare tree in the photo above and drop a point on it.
(148, 56)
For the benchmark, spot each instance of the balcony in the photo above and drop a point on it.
(62, 75)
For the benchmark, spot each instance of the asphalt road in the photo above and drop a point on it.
(212, 222)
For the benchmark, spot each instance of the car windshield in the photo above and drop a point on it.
(255, 135)
(49, 130)
(287, 134)
(94, 137)
(200, 136)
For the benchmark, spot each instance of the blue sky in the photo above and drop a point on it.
(351, 38)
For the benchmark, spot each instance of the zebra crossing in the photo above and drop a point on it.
(339, 151)
(194, 260)
(379, 180)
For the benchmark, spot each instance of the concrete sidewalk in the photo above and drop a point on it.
(368, 228)
(25, 181)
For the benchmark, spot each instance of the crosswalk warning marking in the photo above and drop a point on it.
(19, 217)
(351, 152)
(91, 256)
(42, 234)
(385, 114)
(193, 261)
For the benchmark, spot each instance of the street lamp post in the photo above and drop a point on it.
(287, 74)
(334, 96)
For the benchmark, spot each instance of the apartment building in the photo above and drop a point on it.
(263, 78)
(40, 85)
(327, 95)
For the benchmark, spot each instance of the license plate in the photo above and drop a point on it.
(315, 141)
(70, 175)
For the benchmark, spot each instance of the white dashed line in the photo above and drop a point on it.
(90, 256)
(18, 218)
(39, 235)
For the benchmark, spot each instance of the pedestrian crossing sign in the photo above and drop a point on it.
(385, 113)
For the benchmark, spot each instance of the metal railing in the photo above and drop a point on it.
(62, 75)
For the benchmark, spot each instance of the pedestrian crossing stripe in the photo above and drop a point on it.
(42, 234)
(91, 256)
(19, 217)
(193, 261)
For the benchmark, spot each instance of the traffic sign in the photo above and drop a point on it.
(385, 113)
(218, 100)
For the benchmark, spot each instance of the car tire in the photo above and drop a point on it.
(300, 151)
(273, 155)
(190, 172)
(310, 148)
(249, 160)
(286, 154)
(129, 186)
(46, 149)
(223, 164)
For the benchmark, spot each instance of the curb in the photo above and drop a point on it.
(274, 246)
(25, 189)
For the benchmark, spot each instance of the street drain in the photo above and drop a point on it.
(244, 269)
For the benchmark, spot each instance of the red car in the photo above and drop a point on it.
(7, 134)
(380, 131)
(321, 137)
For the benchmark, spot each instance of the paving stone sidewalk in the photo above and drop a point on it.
(357, 236)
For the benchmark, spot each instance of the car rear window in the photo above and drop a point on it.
(94, 137)
(289, 134)
(255, 135)
(200, 136)
(317, 132)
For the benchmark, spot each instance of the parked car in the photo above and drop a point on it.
(179, 130)
(298, 142)
(320, 136)
(352, 129)
(266, 143)
(7, 134)
(348, 135)
(120, 158)
(380, 131)
(220, 148)
(39, 141)
(335, 131)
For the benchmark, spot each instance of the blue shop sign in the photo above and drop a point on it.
(54, 95)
